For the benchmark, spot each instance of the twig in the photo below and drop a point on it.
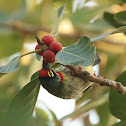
(100, 80)
(106, 82)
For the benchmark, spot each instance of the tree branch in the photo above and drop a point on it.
(21, 27)
(26, 28)
(106, 82)
(98, 79)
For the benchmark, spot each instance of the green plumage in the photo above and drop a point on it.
(71, 87)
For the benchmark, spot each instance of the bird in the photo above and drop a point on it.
(61, 83)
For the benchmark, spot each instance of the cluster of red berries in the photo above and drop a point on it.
(54, 47)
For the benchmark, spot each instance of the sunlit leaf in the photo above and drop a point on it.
(56, 25)
(121, 17)
(117, 30)
(12, 66)
(81, 53)
(21, 106)
(117, 102)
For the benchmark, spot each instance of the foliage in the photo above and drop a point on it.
(21, 21)
(22, 105)
(10, 67)
(77, 54)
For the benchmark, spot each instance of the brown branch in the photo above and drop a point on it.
(26, 28)
(106, 82)
(21, 27)
(98, 79)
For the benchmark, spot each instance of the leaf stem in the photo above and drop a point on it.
(38, 50)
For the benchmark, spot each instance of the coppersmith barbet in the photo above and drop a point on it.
(62, 83)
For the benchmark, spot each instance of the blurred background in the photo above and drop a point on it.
(21, 20)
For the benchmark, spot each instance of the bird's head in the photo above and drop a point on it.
(52, 81)
(50, 74)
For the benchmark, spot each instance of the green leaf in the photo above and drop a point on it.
(106, 119)
(121, 123)
(84, 15)
(103, 112)
(12, 66)
(38, 57)
(87, 107)
(35, 75)
(61, 9)
(117, 30)
(55, 28)
(124, 1)
(21, 106)
(121, 17)
(81, 53)
(109, 17)
(117, 102)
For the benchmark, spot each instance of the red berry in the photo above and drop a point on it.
(43, 73)
(36, 48)
(55, 46)
(47, 39)
(61, 76)
(49, 56)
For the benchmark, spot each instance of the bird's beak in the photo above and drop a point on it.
(46, 66)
